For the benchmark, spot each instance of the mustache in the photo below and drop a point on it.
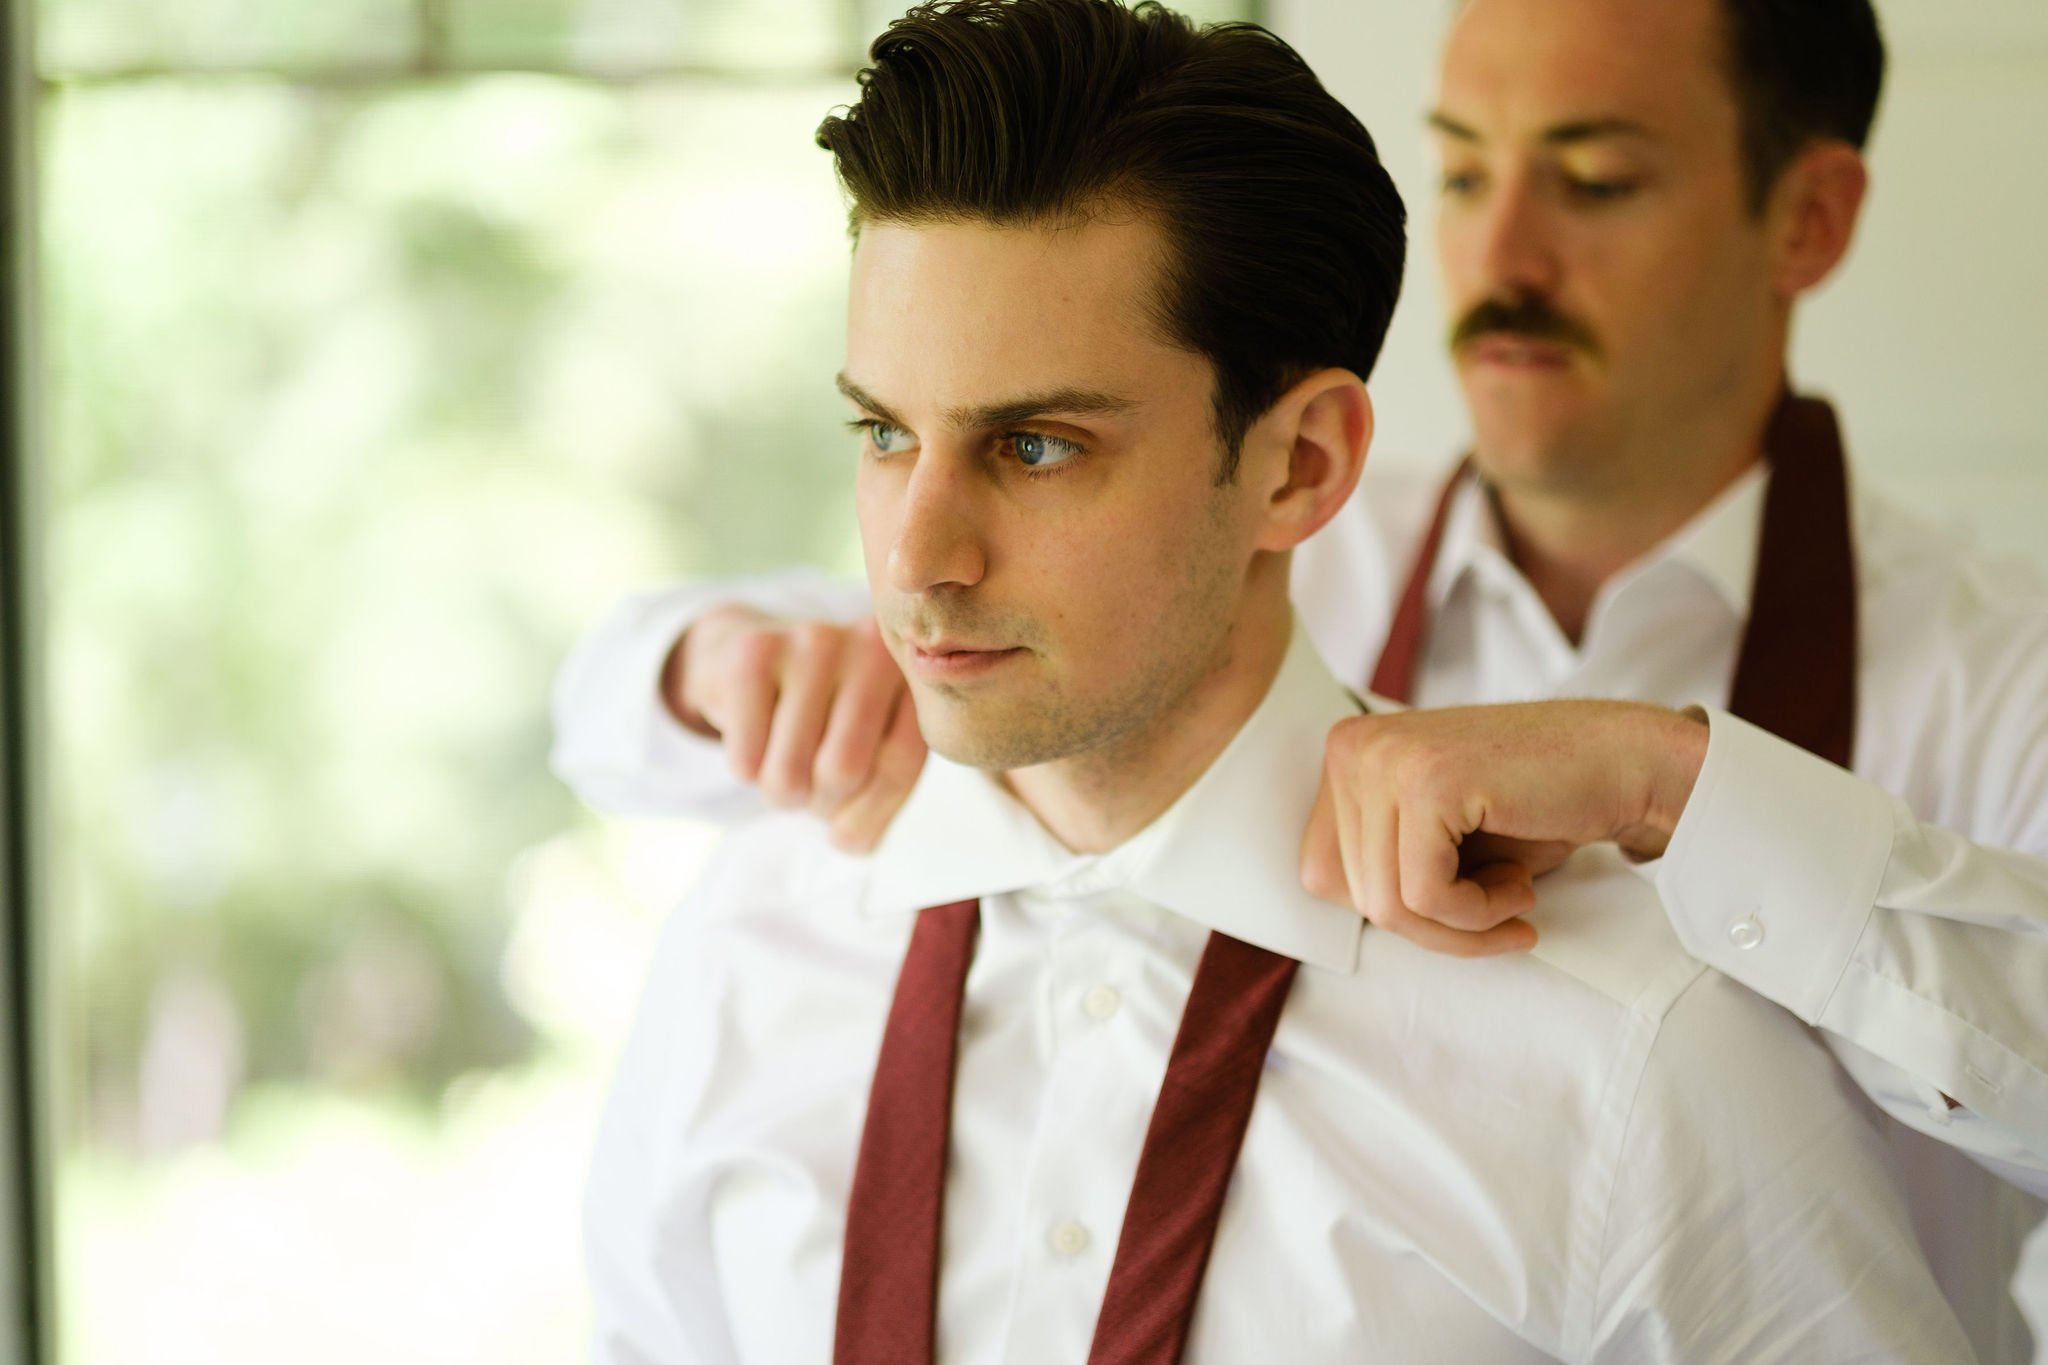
(1530, 315)
(941, 617)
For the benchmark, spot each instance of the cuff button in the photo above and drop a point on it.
(1746, 933)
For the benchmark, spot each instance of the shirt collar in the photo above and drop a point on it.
(1227, 854)
(1719, 543)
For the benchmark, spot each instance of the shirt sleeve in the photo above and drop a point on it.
(617, 746)
(1922, 955)
(652, 1276)
(1727, 1239)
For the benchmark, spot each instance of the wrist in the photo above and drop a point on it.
(1680, 750)
(1673, 747)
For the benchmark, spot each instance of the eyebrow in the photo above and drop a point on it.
(1063, 402)
(1562, 134)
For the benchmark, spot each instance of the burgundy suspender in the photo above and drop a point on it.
(888, 1286)
(889, 1278)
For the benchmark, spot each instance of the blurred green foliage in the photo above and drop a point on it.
(362, 406)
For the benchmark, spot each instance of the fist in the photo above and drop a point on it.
(1435, 824)
(815, 714)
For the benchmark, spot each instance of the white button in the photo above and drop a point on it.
(1746, 933)
(1069, 1238)
(1101, 1001)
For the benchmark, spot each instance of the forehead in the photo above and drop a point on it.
(1515, 69)
(950, 312)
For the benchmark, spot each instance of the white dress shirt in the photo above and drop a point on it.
(1904, 909)
(1555, 1156)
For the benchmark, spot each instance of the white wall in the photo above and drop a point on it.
(1933, 339)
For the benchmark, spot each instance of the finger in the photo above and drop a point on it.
(1537, 855)
(859, 824)
(1322, 859)
(1515, 936)
(810, 676)
(1380, 849)
(1437, 885)
(1430, 884)
(1509, 889)
(869, 689)
(1506, 879)
(1365, 832)
(742, 701)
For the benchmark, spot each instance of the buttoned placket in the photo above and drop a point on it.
(1112, 1001)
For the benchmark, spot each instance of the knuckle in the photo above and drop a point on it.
(833, 779)
(1319, 880)
(1345, 738)
(755, 652)
(814, 639)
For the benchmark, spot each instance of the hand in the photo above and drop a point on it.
(1435, 824)
(816, 714)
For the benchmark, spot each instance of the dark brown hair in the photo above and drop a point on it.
(1284, 234)
(1802, 69)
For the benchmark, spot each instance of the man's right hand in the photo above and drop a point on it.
(815, 714)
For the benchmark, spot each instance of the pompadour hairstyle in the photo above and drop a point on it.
(1284, 235)
(1802, 69)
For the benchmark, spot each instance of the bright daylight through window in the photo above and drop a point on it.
(388, 341)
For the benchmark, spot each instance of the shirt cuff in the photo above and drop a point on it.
(1774, 868)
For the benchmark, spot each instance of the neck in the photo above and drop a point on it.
(1569, 541)
(1095, 801)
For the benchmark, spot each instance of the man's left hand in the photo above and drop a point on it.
(1435, 824)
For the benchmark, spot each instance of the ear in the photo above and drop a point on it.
(1312, 446)
(1813, 211)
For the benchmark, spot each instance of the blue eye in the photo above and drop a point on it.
(886, 440)
(1036, 450)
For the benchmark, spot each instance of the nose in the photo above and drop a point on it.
(1517, 252)
(938, 541)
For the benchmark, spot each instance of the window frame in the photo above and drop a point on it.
(26, 1277)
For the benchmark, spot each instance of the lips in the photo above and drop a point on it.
(1518, 352)
(951, 660)
(948, 646)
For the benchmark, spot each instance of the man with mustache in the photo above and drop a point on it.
(1115, 286)
(1635, 195)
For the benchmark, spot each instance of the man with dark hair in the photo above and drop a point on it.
(1636, 193)
(904, 1108)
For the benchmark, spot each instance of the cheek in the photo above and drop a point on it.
(1454, 254)
(1669, 294)
(1136, 576)
(1087, 578)
(874, 505)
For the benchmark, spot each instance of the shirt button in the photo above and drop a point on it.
(1069, 1238)
(1746, 933)
(1101, 1002)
